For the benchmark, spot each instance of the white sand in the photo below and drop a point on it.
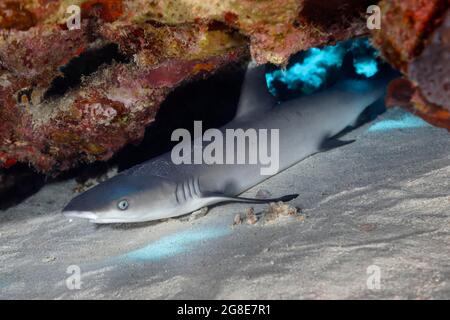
(382, 201)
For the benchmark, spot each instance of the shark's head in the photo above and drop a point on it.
(125, 198)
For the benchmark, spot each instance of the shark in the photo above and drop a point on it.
(159, 189)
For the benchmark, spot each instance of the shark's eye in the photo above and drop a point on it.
(122, 204)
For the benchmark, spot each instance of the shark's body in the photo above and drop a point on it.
(159, 189)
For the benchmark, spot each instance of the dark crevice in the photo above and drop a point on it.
(213, 101)
(331, 12)
(17, 184)
(84, 65)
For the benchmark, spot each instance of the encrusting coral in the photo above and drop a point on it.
(80, 95)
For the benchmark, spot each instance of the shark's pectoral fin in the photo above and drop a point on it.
(218, 197)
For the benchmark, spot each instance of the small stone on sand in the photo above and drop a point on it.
(275, 210)
(49, 259)
(367, 227)
(198, 214)
(237, 219)
(251, 216)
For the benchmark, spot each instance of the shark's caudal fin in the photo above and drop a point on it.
(255, 97)
(217, 197)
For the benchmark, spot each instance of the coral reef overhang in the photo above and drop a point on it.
(415, 38)
(74, 96)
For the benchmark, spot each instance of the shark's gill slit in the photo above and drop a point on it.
(187, 189)
(191, 188)
(197, 187)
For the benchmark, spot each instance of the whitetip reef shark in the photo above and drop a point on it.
(159, 189)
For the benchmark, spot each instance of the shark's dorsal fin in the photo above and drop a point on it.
(255, 97)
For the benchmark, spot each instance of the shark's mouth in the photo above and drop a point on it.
(81, 214)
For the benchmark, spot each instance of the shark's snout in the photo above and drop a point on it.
(76, 208)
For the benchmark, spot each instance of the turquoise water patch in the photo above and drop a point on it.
(311, 70)
(309, 74)
(365, 58)
(407, 121)
(366, 67)
(172, 245)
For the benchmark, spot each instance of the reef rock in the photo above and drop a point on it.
(415, 38)
(80, 95)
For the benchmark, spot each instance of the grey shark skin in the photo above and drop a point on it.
(158, 189)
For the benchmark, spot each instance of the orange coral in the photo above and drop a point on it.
(107, 10)
(13, 15)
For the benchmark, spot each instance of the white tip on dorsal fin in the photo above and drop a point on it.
(255, 97)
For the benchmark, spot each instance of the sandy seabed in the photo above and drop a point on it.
(381, 203)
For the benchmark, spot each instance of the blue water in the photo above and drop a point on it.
(365, 57)
(366, 67)
(175, 244)
(314, 66)
(310, 73)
